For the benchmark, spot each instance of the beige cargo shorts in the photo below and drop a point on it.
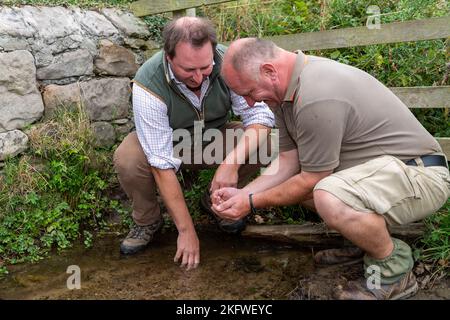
(387, 186)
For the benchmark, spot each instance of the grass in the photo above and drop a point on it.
(434, 247)
(56, 192)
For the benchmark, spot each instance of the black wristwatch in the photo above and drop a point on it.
(252, 207)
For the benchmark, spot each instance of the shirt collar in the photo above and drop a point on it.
(300, 63)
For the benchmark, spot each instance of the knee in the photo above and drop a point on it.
(120, 159)
(328, 208)
(127, 162)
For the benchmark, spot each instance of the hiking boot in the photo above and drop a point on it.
(228, 226)
(139, 237)
(338, 256)
(404, 288)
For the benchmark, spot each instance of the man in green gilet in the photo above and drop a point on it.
(350, 148)
(177, 94)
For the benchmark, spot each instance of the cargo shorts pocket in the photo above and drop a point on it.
(382, 183)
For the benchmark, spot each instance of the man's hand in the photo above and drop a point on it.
(231, 203)
(188, 247)
(226, 176)
(223, 194)
(188, 250)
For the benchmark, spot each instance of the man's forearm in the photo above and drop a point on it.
(281, 169)
(173, 197)
(254, 136)
(297, 189)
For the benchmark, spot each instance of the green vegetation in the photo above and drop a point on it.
(156, 25)
(434, 248)
(55, 193)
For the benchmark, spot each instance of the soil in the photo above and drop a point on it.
(319, 285)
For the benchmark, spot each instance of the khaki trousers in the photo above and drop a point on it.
(136, 179)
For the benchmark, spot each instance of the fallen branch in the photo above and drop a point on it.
(319, 235)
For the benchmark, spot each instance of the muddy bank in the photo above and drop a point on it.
(319, 284)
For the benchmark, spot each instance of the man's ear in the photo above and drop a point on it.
(168, 58)
(268, 70)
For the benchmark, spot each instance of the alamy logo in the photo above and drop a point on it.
(374, 279)
(74, 281)
(212, 145)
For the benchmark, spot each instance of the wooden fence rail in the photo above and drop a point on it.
(424, 97)
(143, 8)
(416, 30)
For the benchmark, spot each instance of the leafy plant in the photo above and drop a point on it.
(434, 247)
(156, 25)
(56, 192)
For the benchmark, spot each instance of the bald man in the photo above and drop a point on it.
(350, 148)
(177, 92)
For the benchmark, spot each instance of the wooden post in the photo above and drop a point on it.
(178, 13)
(182, 13)
(190, 12)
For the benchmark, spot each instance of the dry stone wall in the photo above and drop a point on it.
(52, 57)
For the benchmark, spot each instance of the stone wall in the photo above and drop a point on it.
(54, 56)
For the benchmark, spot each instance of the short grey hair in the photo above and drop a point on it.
(251, 54)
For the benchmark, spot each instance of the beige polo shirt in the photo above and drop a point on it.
(338, 116)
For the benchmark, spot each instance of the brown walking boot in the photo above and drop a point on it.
(338, 256)
(404, 288)
(139, 237)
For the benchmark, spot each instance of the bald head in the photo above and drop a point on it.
(258, 70)
(247, 55)
(193, 30)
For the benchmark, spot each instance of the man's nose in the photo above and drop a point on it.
(198, 76)
(249, 101)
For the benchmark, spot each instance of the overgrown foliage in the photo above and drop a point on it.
(434, 247)
(156, 25)
(55, 193)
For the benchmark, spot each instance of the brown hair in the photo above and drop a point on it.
(196, 31)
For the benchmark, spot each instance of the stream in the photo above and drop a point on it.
(232, 267)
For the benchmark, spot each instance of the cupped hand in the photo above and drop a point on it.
(234, 205)
(221, 195)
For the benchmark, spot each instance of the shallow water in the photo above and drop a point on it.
(231, 268)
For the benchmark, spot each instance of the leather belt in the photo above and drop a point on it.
(429, 161)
